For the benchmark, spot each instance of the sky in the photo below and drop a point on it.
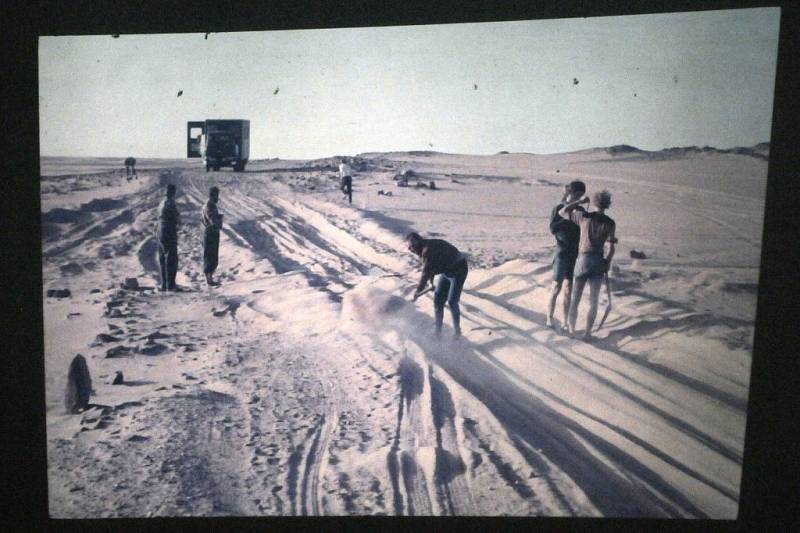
(544, 86)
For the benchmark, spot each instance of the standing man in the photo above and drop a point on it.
(212, 221)
(441, 257)
(596, 228)
(567, 234)
(168, 220)
(130, 168)
(346, 177)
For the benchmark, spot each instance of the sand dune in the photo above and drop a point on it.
(310, 384)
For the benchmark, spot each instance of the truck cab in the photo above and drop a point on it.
(220, 142)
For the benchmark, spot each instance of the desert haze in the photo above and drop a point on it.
(294, 388)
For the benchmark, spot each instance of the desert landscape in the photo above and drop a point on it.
(295, 389)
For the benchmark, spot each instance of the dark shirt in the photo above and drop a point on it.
(168, 220)
(212, 220)
(438, 257)
(566, 232)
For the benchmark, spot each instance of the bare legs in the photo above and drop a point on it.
(551, 308)
(594, 296)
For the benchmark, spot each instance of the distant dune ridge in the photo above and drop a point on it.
(759, 151)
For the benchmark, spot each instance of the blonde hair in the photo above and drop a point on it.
(602, 199)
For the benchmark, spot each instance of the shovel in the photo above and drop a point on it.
(608, 305)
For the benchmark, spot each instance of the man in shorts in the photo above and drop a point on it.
(596, 228)
(567, 234)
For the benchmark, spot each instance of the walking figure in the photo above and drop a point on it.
(346, 176)
(212, 221)
(441, 257)
(130, 168)
(168, 220)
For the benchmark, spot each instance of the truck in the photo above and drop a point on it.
(220, 142)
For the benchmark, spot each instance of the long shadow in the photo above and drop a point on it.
(610, 346)
(314, 237)
(676, 422)
(394, 225)
(617, 429)
(681, 425)
(643, 493)
(263, 244)
(731, 322)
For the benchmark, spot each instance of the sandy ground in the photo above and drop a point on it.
(309, 384)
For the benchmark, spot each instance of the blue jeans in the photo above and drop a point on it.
(448, 289)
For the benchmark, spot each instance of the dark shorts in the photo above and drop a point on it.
(590, 266)
(563, 266)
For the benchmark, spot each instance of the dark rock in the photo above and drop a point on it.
(58, 293)
(118, 379)
(104, 338)
(118, 351)
(71, 269)
(432, 185)
(61, 216)
(114, 327)
(98, 205)
(131, 284)
(94, 291)
(157, 335)
(635, 254)
(93, 415)
(153, 349)
(79, 386)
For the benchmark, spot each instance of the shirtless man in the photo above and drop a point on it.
(440, 257)
(567, 234)
(596, 228)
